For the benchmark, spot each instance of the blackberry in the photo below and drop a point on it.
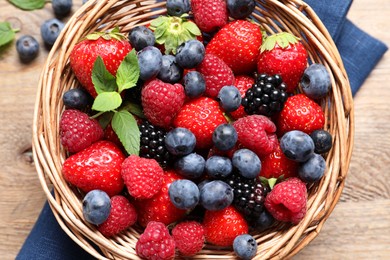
(249, 195)
(266, 97)
(152, 144)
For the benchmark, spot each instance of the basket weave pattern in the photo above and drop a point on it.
(283, 240)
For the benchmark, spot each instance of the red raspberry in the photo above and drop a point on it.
(209, 15)
(243, 83)
(216, 74)
(122, 215)
(201, 116)
(155, 243)
(78, 131)
(161, 101)
(97, 167)
(143, 177)
(287, 201)
(257, 133)
(189, 237)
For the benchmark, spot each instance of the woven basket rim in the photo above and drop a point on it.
(294, 16)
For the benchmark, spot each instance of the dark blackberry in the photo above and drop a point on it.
(249, 195)
(152, 144)
(266, 97)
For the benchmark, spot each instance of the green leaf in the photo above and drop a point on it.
(192, 28)
(7, 34)
(158, 22)
(107, 101)
(128, 72)
(126, 128)
(28, 4)
(102, 79)
(135, 109)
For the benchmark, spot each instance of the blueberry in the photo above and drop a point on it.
(150, 62)
(190, 166)
(180, 141)
(27, 47)
(190, 54)
(61, 8)
(245, 246)
(322, 141)
(313, 169)
(77, 98)
(216, 195)
(194, 84)
(50, 30)
(240, 9)
(316, 81)
(264, 221)
(225, 137)
(218, 167)
(229, 98)
(170, 72)
(141, 37)
(297, 145)
(184, 194)
(96, 207)
(178, 7)
(247, 163)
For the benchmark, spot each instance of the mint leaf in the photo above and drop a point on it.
(128, 72)
(7, 34)
(107, 101)
(126, 128)
(102, 79)
(28, 5)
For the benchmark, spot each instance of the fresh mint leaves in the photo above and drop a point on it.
(126, 128)
(7, 34)
(128, 72)
(29, 4)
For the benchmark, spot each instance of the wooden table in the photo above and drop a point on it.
(359, 227)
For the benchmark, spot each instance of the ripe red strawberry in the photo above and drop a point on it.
(223, 226)
(300, 113)
(111, 47)
(243, 83)
(159, 207)
(122, 215)
(238, 45)
(216, 74)
(143, 177)
(96, 167)
(189, 237)
(276, 164)
(287, 201)
(285, 55)
(257, 133)
(78, 131)
(201, 116)
(161, 101)
(209, 15)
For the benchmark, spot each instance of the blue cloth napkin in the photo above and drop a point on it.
(360, 53)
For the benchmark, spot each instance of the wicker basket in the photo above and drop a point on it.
(282, 241)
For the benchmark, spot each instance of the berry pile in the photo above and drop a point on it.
(176, 136)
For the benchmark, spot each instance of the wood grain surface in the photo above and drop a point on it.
(359, 227)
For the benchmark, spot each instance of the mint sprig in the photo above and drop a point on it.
(125, 126)
(128, 72)
(7, 34)
(28, 5)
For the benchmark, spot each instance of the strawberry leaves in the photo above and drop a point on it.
(109, 101)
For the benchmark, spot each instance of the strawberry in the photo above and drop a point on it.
(209, 15)
(300, 113)
(283, 54)
(111, 47)
(96, 167)
(287, 201)
(201, 116)
(161, 102)
(238, 45)
(243, 83)
(122, 215)
(276, 164)
(159, 207)
(257, 133)
(223, 226)
(78, 131)
(216, 74)
(143, 177)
